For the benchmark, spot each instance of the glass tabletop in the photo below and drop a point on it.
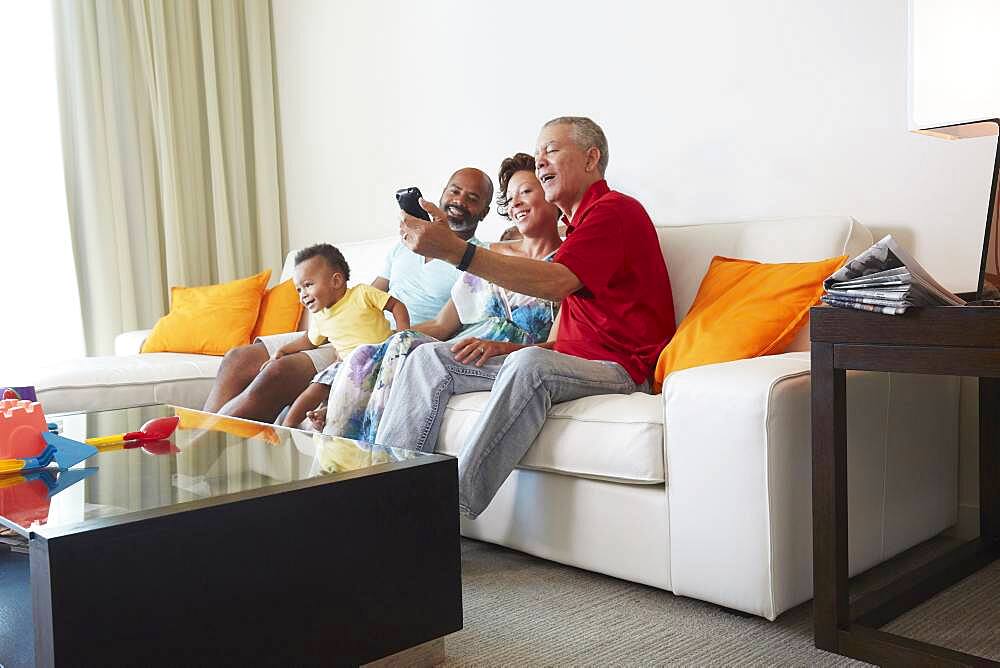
(208, 456)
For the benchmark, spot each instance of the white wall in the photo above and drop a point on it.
(715, 110)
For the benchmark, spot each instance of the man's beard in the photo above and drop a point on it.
(460, 220)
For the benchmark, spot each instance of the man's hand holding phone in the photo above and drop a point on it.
(409, 201)
(433, 238)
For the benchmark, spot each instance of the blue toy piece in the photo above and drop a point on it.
(67, 452)
(39, 461)
(58, 479)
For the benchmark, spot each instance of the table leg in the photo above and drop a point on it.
(831, 609)
(989, 460)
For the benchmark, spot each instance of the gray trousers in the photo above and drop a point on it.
(523, 385)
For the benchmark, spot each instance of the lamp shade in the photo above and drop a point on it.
(954, 66)
(953, 92)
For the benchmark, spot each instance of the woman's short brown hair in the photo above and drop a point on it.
(519, 162)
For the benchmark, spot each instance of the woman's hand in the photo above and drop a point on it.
(472, 350)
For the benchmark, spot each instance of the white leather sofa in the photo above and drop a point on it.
(703, 490)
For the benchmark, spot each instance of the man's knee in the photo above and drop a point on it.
(287, 368)
(431, 351)
(530, 359)
(251, 356)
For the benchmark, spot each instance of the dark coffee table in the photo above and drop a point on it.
(239, 543)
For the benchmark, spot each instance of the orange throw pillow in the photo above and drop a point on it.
(744, 309)
(209, 320)
(280, 311)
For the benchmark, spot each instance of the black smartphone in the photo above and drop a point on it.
(408, 202)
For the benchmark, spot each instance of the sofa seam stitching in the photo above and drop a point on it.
(767, 477)
(564, 417)
(140, 384)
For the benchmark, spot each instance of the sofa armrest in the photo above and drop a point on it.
(130, 343)
(738, 449)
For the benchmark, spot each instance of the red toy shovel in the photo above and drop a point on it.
(156, 429)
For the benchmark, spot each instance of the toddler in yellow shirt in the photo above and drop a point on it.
(346, 317)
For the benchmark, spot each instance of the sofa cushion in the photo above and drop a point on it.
(209, 319)
(280, 311)
(104, 383)
(744, 309)
(365, 258)
(613, 437)
(688, 249)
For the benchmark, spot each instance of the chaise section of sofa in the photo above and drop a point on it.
(119, 381)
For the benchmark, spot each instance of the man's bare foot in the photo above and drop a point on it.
(317, 417)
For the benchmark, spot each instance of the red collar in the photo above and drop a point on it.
(596, 191)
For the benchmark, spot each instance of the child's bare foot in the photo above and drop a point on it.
(317, 417)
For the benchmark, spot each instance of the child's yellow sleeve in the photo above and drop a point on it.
(375, 298)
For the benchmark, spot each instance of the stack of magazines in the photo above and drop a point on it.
(885, 279)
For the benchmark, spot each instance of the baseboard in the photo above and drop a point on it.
(967, 526)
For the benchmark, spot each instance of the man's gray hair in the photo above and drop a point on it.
(587, 134)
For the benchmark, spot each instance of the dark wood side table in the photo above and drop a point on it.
(961, 341)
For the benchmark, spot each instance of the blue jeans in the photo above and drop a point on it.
(523, 385)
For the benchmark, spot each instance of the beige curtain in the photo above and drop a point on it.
(169, 123)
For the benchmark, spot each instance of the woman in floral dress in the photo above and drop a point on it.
(479, 314)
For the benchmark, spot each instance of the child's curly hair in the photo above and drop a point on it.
(328, 252)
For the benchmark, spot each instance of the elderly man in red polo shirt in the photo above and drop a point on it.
(617, 314)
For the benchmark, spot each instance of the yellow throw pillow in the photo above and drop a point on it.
(744, 309)
(280, 311)
(210, 319)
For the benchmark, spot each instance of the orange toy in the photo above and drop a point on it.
(22, 424)
(24, 501)
(26, 442)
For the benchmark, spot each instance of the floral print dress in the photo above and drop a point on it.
(360, 389)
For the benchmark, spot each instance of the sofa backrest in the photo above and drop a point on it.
(365, 258)
(688, 249)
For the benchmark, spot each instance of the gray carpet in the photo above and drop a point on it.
(965, 617)
(523, 611)
(16, 630)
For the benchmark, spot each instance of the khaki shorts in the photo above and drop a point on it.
(321, 357)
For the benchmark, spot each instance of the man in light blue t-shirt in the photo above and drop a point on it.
(424, 286)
